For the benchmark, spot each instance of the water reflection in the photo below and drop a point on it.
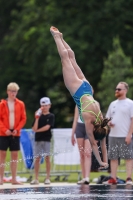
(83, 192)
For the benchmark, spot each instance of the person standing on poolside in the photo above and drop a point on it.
(121, 130)
(43, 123)
(12, 119)
(78, 129)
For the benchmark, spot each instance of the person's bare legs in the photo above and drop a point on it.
(71, 79)
(13, 165)
(114, 166)
(2, 165)
(48, 166)
(80, 142)
(73, 60)
(37, 166)
(129, 168)
(87, 159)
(85, 156)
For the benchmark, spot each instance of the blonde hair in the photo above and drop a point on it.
(13, 86)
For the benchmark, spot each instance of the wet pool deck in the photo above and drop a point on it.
(66, 191)
(28, 185)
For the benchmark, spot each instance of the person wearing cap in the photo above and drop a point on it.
(43, 122)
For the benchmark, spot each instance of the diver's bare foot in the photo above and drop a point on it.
(54, 31)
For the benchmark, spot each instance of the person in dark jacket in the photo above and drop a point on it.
(44, 121)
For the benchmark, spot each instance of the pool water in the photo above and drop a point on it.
(83, 192)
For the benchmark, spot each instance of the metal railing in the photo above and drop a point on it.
(62, 155)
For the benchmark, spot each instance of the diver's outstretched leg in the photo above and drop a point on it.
(71, 79)
(73, 60)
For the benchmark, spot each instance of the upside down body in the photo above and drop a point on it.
(81, 91)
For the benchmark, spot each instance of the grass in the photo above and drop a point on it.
(71, 170)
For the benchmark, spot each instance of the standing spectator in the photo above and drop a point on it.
(84, 146)
(44, 121)
(12, 119)
(120, 137)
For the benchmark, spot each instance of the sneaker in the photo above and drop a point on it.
(111, 181)
(81, 182)
(129, 181)
(47, 181)
(86, 182)
(34, 182)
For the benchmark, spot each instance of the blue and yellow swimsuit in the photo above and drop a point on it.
(85, 89)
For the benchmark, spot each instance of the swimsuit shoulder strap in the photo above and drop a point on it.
(89, 103)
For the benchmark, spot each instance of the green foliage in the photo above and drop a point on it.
(29, 55)
(117, 67)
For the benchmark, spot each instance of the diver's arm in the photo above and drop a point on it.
(104, 149)
(89, 131)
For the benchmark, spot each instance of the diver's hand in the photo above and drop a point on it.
(111, 124)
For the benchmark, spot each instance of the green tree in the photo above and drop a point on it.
(117, 67)
(29, 55)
